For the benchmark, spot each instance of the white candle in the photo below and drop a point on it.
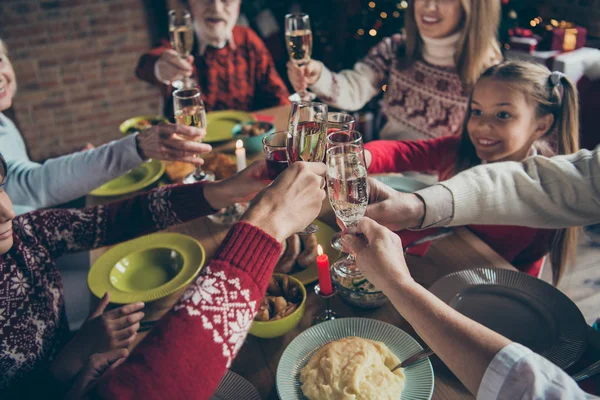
(240, 155)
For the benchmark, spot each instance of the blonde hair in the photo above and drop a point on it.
(478, 47)
(3, 47)
(550, 93)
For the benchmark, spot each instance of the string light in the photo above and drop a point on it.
(361, 32)
(384, 88)
(372, 4)
(396, 14)
(533, 23)
(372, 32)
(383, 15)
(404, 4)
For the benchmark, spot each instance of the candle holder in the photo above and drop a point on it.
(327, 314)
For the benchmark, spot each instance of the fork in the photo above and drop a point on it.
(587, 372)
(418, 356)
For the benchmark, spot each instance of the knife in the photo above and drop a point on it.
(443, 232)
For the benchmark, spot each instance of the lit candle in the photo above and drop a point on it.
(323, 271)
(240, 155)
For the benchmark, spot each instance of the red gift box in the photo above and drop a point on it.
(563, 36)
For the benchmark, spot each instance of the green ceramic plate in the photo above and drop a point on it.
(419, 377)
(134, 180)
(324, 235)
(219, 124)
(136, 124)
(147, 268)
(401, 183)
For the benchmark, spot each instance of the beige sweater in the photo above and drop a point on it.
(555, 192)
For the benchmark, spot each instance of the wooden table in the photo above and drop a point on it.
(257, 360)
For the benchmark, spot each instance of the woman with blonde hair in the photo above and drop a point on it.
(426, 72)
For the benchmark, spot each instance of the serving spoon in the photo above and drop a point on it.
(415, 358)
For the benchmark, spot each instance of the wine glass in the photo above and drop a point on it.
(274, 148)
(189, 110)
(306, 135)
(344, 137)
(340, 121)
(181, 33)
(348, 192)
(298, 39)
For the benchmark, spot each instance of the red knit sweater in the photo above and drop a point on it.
(210, 323)
(243, 78)
(523, 247)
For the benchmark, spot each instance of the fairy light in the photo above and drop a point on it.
(533, 23)
(372, 32)
(361, 31)
(383, 15)
(396, 14)
(384, 88)
(372, 4)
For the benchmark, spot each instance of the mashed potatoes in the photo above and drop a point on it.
(352, 369)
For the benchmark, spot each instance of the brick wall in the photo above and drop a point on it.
(75, 61)
(583, 12)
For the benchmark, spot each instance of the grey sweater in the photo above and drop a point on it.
(555, 192)
(31, 185)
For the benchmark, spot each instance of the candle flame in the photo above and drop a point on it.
(239, 144)
(320, 250)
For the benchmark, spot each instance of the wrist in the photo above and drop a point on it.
(262, 217)
(416, 210)
(138, 147)
(217, 196)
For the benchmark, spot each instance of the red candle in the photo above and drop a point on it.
(324, 274)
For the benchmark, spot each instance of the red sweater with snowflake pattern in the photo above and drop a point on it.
(239, 78)
(523, 247)
(203, 333)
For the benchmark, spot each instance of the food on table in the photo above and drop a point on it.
(222, 165)
(298, 252)
(282, 298)
(352, 368)
(254, 129)
(358, 291)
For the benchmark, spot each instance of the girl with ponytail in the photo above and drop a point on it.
(516, 110)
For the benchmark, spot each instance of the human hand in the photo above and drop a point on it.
(379, 255)
(291, 202)
(303, 77)
(101, 332)
(238, 188)
(97, 365)
(171, 67)
(170, 142)
(392, 209)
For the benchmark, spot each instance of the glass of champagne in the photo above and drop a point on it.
(298, 39)
(189, 110)
(348, 192)
(306, 136)
(335, 139)
(274, 147)
(340, 121)
(181, 33)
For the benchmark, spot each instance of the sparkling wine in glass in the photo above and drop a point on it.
(348, 191)
(307, 132)
(298, 39)
(181, 33)
(274, 147)
(340, 121)
(189, 110)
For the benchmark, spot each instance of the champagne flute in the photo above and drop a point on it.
(181, 33)
(298, 39)
(348, 192)
(334, 139)
(307, 131)
(340, 121)
(189, 110)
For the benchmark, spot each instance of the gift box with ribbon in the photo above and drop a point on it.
(562, 36)
(522, 40)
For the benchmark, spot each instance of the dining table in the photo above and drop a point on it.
(258, 358)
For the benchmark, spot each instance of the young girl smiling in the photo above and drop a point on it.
(516, 110)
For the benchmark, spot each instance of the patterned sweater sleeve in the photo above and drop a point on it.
(353, 88)
(191, 348)
(270, 90)
(147, 62)
(73, 230)
(420, 156)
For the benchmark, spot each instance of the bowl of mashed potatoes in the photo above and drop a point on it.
(351, 359)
